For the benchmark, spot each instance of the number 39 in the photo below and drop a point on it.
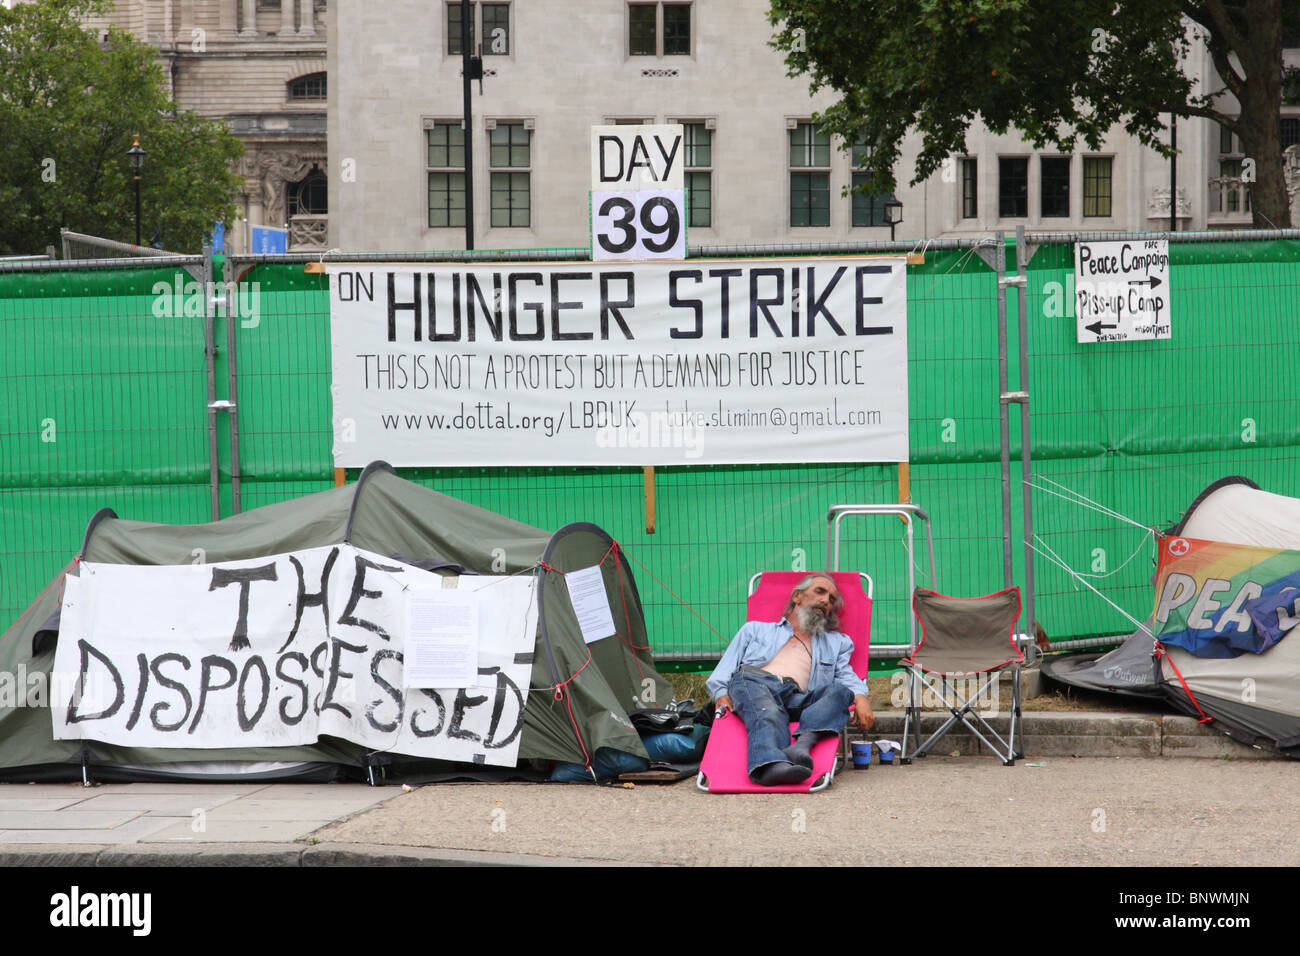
(624, 213)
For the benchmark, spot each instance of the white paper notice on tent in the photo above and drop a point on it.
(441, 639)
(590, 603)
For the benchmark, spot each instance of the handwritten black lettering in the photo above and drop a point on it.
(164, 681)
(86, 651)
(244, 577)
(419, 731)
(301, 661)
(320, 599)
(359, 591)
(206, 667)
(381, 655)
(247, 723)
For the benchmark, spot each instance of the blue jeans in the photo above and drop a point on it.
(767, 703)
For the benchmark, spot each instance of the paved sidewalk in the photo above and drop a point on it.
(1093, 789)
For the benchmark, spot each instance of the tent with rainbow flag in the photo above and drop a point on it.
(1222, 641)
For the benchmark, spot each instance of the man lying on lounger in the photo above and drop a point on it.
(796, 668)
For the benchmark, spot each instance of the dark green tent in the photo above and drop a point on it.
(579, 696)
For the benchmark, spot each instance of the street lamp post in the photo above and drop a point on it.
(893, 215)
(137, 155)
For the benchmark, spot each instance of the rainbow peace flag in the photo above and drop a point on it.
(1223, 600)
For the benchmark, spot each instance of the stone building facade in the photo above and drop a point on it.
(381, 84)
(260, 66)
(757, 170)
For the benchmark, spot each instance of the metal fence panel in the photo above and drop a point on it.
(119, 373)
(1143, 427)
(103, 402)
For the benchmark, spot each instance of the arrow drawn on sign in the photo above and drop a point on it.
(1097, 326)
(1153, 282)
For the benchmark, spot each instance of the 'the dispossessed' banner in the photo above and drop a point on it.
(1221, 600)
(715, 362)
(278, 651)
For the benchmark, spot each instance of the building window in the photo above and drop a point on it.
(446, 167)
(495, 22)
(1096, 186)
(1013, 187)
(454, 28)
(1054, 187)
(309, 88)
(496, 29)
(969, 188)
(659, 29)
(309, 196)
(868, 208)
(510, 159)
(810, 176)
(1289, 131)
(1229, 196)
(677, 29)
(1233, 196)
(698, 163)
(1290, 27)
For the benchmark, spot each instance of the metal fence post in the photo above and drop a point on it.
(1026, 454)
(1005, 432)
(210, 357)
(230, 270)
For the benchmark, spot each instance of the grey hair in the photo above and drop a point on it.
(833, 619)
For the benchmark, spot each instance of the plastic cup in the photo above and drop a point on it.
(862, 754)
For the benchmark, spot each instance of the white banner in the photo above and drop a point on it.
(278, 651)
(711, 361)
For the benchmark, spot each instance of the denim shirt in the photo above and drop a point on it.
(758, 641)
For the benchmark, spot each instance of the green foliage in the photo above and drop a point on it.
(69, 106)
(1060, 71)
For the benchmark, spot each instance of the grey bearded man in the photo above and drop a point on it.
(796, 668)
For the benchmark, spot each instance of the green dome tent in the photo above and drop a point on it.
(579, 693)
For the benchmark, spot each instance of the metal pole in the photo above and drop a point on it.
(467, 11)
(231, 274)
(1026, 470)
(137, 207)
(1002, 409)
(210, 351)
(1173, 173)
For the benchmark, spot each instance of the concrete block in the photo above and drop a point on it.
(362, 854)
(42, 855)
(221, 854)
(1184, 737)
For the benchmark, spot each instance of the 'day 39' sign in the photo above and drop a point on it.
(638, 199)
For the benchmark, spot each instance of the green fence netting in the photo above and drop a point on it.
(104, 395)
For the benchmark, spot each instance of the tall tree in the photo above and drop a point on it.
(1060, 71)
(69, 105)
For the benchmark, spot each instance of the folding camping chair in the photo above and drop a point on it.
(723, 767)
(969, 638)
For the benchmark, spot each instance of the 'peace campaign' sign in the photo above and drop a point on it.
(280, 650)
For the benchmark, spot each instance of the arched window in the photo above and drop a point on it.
(309, 196)
(310, 88)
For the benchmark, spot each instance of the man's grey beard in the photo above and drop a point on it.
(811, 619)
